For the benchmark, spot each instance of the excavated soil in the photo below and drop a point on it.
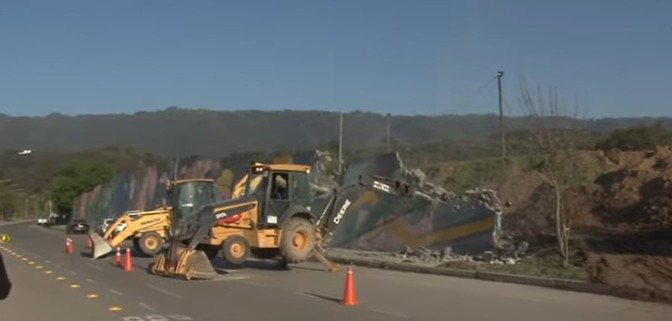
(622, 220)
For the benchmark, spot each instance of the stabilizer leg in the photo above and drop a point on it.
(321, 255)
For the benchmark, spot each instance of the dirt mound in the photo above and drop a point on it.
(638, 194)
(632, 192)
(622, 220)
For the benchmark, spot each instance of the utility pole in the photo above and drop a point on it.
(388, 132)
(500, 74)
(340, 144)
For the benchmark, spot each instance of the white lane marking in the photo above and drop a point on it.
(231, 278)
(144, 305)
(73, 273)
(164, 291)
(115, 292)
(395, 314)
(90, 281)
(95, 267)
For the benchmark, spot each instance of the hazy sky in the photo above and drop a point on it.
(398, 56)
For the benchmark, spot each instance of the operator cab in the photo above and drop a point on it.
(188, 196)
(278, 188)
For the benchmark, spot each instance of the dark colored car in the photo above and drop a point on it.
(77, 226)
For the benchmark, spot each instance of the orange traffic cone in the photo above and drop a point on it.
(129, 264)
(118, 257)
(68, 246)
(89, 242)
(350, 295)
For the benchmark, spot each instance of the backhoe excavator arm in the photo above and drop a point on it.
(199, 228)
(339, 206)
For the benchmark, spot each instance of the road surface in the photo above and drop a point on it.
(49, 283)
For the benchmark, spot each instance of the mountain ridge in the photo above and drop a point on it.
(177, 132)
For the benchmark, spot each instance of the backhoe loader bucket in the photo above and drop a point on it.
(100, 245)
(190, 264)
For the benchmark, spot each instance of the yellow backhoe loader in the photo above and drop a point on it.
(273, 218)
(148, 228)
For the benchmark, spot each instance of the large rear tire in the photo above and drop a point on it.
(236, 249)
(150, 243)
(298, 240)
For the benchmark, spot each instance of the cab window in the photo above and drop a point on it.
(279, 186)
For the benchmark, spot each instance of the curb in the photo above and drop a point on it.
(7, 223)
(558, 284)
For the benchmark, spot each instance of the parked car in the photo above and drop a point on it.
(119, 228)
(42, 221)
(102, 228)
(77, 226)
(58, 220)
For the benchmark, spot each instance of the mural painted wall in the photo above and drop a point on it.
(145, 189)
(376, 221)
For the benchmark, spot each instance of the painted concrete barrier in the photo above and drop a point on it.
(380, 222)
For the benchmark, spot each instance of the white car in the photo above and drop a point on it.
(105, 225)
(42, 221)
(119, 228)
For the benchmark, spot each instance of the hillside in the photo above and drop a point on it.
(179, 132)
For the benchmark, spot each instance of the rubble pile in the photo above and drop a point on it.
(509, 255)
(417, 178)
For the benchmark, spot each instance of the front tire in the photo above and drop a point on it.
(236, 249)
(150, 243)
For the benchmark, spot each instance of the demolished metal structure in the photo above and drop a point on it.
(434, 218)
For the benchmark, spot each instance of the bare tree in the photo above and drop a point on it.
(555, 130)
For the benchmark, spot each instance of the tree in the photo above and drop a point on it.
(637, 138)
(9, 202)
(79, 176)
(555, 130)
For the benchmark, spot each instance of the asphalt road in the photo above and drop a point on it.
(264, 292)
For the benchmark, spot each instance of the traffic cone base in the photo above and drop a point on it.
(129, 263)
(350, 293)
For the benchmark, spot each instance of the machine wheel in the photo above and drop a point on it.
(150, 243)
(264, 253)
(297, 240)
(236, 249)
